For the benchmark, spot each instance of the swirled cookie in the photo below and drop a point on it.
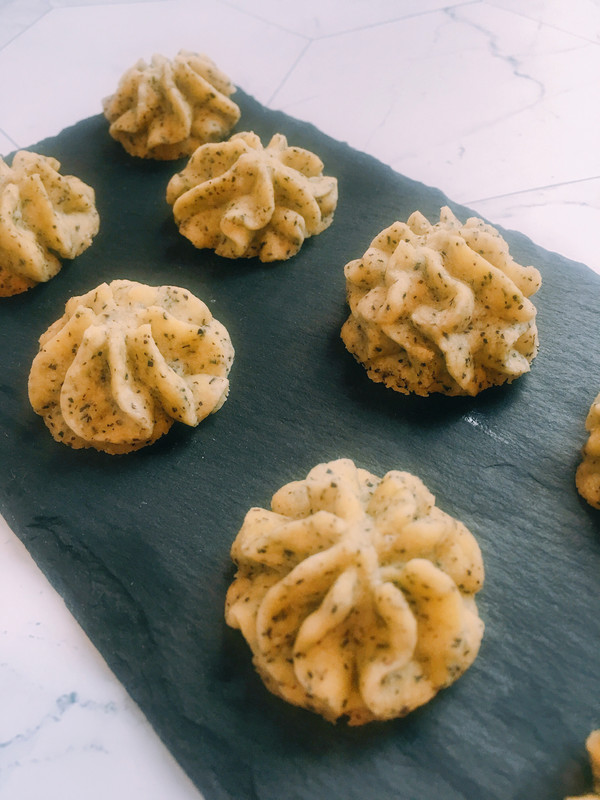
(356, 594)
(44, 216)
(592, 746)
(587, 477)
(166, 109)
(125, 361)
(441, 308)
(242, 199)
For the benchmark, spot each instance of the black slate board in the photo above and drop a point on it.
(139, 545)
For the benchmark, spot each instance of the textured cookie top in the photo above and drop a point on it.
(588, 472)
(441, 308)
(124, 361)
(242, 199)
(355, 593)
(167, 108)
(44, 216)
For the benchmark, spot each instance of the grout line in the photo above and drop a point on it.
(310, 40)
(492, 4)
(391, 21)
(396, 20)
(533, 189)
(26, 28)
(265, 20)
(10, 139)
(288, 73)
(307, 40)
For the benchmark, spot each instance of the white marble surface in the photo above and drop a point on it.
(496, 102)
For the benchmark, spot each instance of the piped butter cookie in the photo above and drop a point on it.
(241, 199)
(356, 593)
(167, 108)
(44, 217)
(125, 361)
(441, 308)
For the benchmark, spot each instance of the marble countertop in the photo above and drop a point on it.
(495, 102)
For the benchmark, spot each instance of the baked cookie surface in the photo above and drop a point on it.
(125, 361)
(587, 477)
(44, 217)
(242, 199)
(166, 109)
(356, 594)
(441, 308)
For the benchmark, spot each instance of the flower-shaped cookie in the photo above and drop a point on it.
(441, 308)
(125, 361)
(356, 594)
(166, 109)
(242, 199)
(44, 216)
(587, 477)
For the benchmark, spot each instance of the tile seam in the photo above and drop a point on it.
(264, 20)
(4, 133)
(289, 72)
(397, 20)
(540, 22)
(518, 192)
(26, 28)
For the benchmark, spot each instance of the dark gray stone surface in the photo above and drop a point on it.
(138, 545)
